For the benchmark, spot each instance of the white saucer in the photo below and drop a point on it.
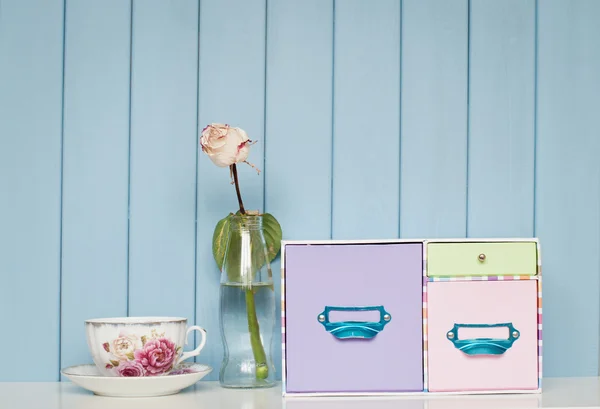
(88, 377)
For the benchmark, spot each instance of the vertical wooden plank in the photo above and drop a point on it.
(232, 72)
(298, 127)
(163, 158)
(366, 130)
(298, 124)
(568, 180)
(95, 171)
(434, 118)
(31, 69)
(501, 118)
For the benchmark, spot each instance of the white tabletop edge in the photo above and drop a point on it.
(557, 393)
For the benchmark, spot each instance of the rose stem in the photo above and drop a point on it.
(237, 188)
(262, 370)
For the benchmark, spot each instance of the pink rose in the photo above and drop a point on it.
(131, 368)
(225, 145)
(157, 356)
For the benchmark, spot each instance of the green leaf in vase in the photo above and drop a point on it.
(114, 363)
(272, 234)
(130, 356)
(220, 236)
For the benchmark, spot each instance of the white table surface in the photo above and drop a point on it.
(558, 393)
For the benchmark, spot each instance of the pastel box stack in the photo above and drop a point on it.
(443, 316)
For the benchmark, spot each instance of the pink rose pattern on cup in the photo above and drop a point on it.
(151, 355)
(131, 368)
(157, 356)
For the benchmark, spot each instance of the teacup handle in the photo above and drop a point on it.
(196, 351)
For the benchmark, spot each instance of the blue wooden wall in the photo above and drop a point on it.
(374, 119)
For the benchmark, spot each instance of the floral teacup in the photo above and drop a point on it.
(139, 346)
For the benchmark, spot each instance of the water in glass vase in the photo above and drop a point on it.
(247, 322)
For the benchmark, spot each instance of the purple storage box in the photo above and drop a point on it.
(320, 274)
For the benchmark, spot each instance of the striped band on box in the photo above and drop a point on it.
(425, 355)
(283, 325)
(482, 278)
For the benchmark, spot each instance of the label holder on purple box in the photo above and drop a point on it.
(354, 329)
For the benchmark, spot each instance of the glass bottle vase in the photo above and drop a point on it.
(247, 307)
